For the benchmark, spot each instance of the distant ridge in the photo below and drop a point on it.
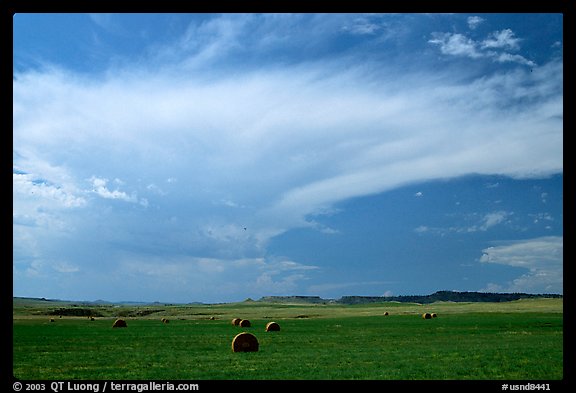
(440, 296)
(295, 299)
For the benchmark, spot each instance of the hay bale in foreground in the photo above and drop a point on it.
(245, 323)
(245, 342)
(119, 323)
(236, 321)
(272, 327)
(427, 315)
(434, 315)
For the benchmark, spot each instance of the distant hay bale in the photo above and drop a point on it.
(427, 315)
(244, 323)
(163, 319)
(119, 323)
(386, 313)
(236, 321)
(51, 319)
(272, 327)
(434, 315)
(166, 320)
(212, 318)
(92, 318)
(245, 342)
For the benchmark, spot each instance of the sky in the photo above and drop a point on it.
(219, 157)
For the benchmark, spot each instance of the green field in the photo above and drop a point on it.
(519, 340)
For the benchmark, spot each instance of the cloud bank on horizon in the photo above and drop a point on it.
(165, 163)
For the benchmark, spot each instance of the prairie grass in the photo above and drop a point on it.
(520, 341)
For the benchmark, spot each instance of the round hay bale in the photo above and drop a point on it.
(166, 320)
(427, 315)
(212, 318)
(386, 313)
(245, 342)
(51, 319)
(272, 327)
(163, 319)
(244, 323)
(119, 323)
(434, 315)
(236, 321)
(92, 318)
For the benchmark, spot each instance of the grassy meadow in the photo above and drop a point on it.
(519, 340)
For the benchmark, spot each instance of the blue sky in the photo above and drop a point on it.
(216, 157)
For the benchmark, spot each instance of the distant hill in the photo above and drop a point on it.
(440, 296)
(295, 299)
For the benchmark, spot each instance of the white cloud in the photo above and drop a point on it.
(482, 224)
(362, 26)
(541, 216)
(100, 188)
(504, 39)
(474, 21)
(456, 44)
(65, 267)
(542, 258)
(511, 58)
(494, 47)
(323, 228)
(492, 219)
(29, 187)
(105, 193)
(421, 229)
